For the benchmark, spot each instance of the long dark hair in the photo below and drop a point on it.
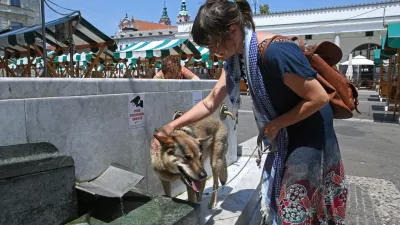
(216, 16)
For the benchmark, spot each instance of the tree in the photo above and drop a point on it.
(264, 9)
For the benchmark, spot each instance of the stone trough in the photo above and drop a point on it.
(59, 137)
(37, 186)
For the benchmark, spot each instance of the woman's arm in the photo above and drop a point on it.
(314, 95)
(201, 110)
(188, 74)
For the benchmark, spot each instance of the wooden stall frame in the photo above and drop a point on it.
(38, 51)
(4, 64)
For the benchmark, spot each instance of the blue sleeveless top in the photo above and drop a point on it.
(287, 57)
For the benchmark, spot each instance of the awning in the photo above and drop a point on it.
(24, 61)
(99, 68)
(377, 57)
(386, 49)
(85, 36)
(12, 66)
(393, 37)
(76, 57)
(158, 49)
(205, 54)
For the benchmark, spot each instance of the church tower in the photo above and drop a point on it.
(183, 15)
(126, 23)
(164, 17)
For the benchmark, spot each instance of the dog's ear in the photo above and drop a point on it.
(165, 142)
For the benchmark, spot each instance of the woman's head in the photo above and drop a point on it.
(171, 67)
(219, 25)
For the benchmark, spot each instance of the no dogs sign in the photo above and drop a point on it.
(136, 110)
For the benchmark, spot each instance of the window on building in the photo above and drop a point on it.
(16, 3)
(15, 25)
(308, 37)
(369, 34)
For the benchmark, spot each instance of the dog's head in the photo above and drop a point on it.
(182, 154)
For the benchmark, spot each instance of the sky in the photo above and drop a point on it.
(106, 14)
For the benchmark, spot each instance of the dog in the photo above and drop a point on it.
(181, 155)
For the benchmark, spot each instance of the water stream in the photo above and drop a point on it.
(122, 206)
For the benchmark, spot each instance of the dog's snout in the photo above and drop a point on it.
(203, 174)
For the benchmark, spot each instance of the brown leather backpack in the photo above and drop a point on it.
(323, 58)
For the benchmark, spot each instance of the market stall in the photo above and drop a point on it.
(143, 59)
(68, 35)
(390, 88)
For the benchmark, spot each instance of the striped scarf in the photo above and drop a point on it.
(263, 113)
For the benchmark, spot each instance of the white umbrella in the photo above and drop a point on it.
(359, 61)
(349, 72)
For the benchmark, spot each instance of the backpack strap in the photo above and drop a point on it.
(262, 47)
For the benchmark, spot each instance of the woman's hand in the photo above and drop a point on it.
(163, 131)
(166, 130)
(271, 129)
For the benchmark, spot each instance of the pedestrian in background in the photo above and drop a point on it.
(171, 69)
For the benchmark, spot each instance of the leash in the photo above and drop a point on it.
(261, 152)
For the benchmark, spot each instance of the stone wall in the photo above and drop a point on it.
(88, 120)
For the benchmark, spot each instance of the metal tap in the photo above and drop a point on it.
(224, 113)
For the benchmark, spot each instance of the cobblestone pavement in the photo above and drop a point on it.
(372, 202)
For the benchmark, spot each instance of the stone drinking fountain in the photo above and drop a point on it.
(69, 155)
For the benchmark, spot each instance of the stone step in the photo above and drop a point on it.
(238, 201)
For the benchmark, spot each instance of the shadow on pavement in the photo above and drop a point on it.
(385, 117)
(231, 206)
(382, 108)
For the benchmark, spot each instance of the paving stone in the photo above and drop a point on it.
(372, 202)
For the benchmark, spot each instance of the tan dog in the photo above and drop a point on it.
(182, 155)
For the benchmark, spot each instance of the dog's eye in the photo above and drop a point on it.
(188, 157)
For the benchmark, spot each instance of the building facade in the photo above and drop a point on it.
(19, 13)
(355, 28)
(131, 31)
